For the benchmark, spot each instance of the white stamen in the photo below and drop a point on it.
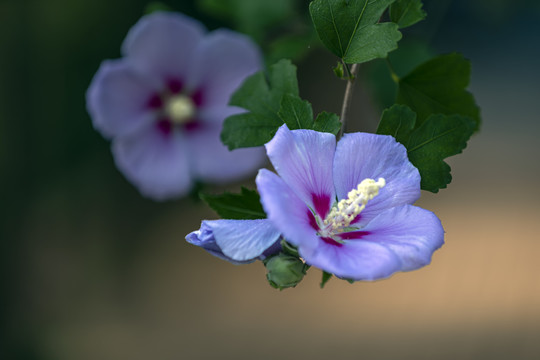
(180, 109)
(348, 209)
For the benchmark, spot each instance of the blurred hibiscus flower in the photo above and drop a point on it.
(163, 104)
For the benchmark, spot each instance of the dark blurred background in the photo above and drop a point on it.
(91, 270)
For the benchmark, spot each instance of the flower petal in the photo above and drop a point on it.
(287, 212)
(360, 156)
(303, 159)
(243, 240)
(155, 162)
(204, 238)
(117, 99)
(355, 260)
(212, 161)
(217, 114)
(162, 44)
(221, 63)
(410, 232)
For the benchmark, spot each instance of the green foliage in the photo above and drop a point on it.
(399, 122)
(156, 6)
(291, 45)
(407, 12)
(327, 122)
(350, 28)
(439, 137)
(438, 87)
(295, 112)
(271, 104)
(278, 26)
(288, 248)
(253, 17)
(408, 56)
(284, 271)
(428, 143)
(243, 206)
(263, 101)
(339, 71)
(325, 277)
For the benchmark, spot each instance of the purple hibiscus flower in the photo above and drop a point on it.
(348, 208)
(237, 241)
(164, 102)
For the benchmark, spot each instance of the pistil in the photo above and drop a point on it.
(341, 216)
(180, 109)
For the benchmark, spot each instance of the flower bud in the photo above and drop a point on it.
(284, 271)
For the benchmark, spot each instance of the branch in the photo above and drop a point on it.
(347, 100)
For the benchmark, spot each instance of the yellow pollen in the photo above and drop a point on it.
(347, 209)
(179, 109)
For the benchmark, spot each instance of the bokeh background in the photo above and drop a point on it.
(91, 270)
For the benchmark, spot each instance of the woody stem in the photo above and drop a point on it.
(347, 100)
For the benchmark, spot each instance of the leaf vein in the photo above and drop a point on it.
(433, 138)
(356, 28)
(335, 26)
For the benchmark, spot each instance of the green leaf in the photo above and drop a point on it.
(298, 114)
(439, 137)
(408, 56)
(327, 122)
(397, 121)
(407, 12)
(271, 104)
(243, 206)
(295, 112)
(283, 79)
(262, 99)
(350, 30)
(438, 87)
(325, 277)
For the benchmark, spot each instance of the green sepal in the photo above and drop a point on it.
(438, 86)
(243, 206)
(350, 29)
(325, 277)
(407, 12)
(289, 249)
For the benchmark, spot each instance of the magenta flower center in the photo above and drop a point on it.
(176, 108)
